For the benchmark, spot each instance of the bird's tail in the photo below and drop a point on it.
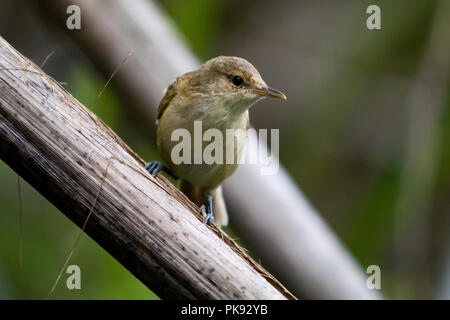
(219, 207)
(198, 196)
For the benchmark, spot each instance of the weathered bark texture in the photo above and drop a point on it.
(62, 150)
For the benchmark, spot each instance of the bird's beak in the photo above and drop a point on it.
(270, 92)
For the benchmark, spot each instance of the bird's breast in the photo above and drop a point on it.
(211, 133)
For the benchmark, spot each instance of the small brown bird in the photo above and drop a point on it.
(219, 94)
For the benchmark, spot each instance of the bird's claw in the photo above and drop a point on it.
(209, 217)
(154, 167)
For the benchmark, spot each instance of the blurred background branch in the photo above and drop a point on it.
(294, 242)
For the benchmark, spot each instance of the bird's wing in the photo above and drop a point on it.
(170, 93)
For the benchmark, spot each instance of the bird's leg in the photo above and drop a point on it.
(154, 167)
(208, 212)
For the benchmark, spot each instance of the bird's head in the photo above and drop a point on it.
(235, 81)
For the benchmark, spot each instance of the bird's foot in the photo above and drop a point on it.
(207, 210)
(154, 167)
(209, 217)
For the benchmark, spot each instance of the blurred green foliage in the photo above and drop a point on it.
(198, 20)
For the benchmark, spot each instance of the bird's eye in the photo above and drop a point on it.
(237, 81)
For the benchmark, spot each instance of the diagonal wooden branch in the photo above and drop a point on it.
(62, 150)
(272, 214)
